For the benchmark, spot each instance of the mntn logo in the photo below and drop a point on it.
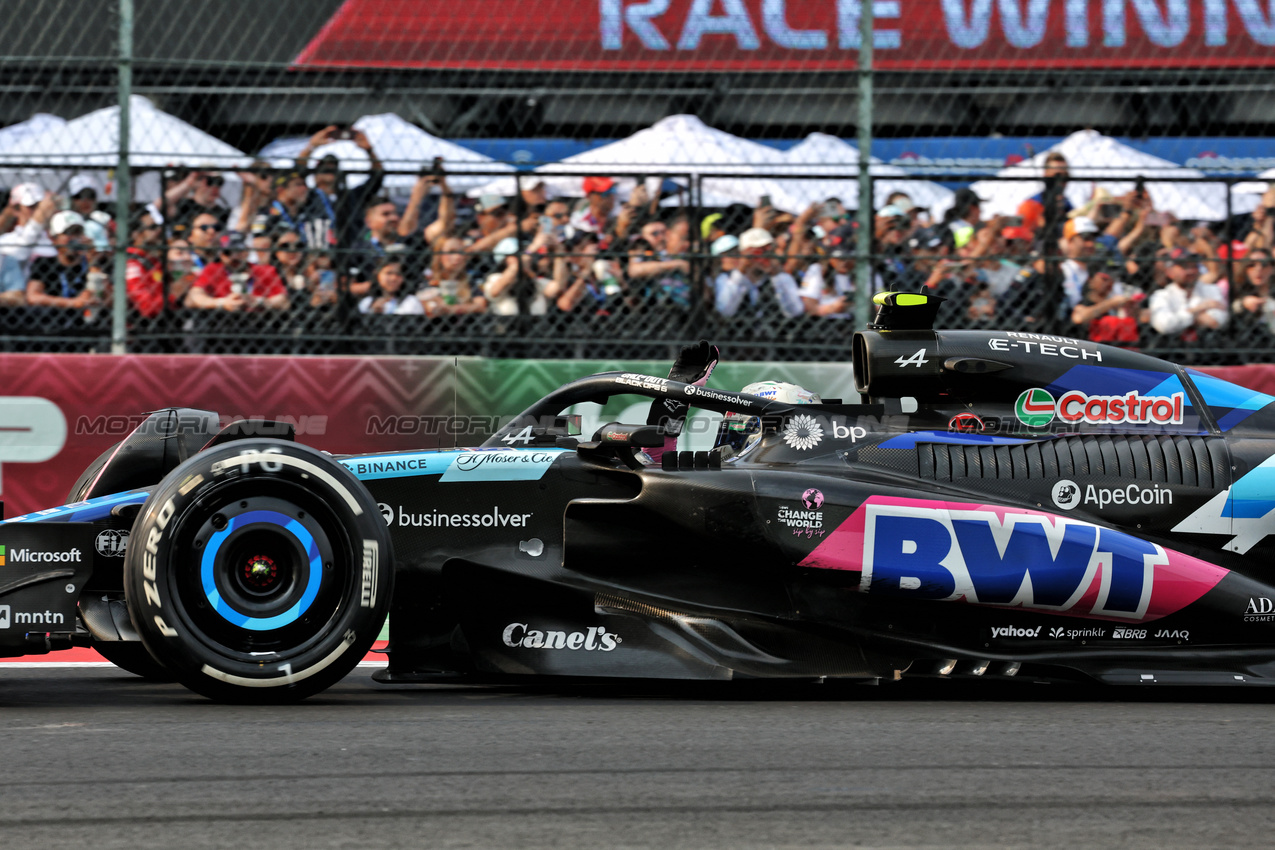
(4, 616)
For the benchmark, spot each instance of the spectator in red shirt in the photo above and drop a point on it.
(235, 284)
(144, 273)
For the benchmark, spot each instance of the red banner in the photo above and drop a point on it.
(61, 411)
(794, 35)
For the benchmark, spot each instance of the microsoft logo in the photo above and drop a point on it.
(1, 556)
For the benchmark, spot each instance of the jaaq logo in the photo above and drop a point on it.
(1035, 408)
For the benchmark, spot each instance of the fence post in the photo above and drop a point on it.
(863, 244)
(123, 184)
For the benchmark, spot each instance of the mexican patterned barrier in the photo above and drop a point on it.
(58, 412)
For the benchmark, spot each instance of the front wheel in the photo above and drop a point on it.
(261, 572)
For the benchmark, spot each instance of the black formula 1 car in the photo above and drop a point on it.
(1001, 504)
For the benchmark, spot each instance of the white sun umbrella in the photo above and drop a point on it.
(679, 143)
(1247, 196)
(1095, 160)
(90, 144)
(822, 153)
(41, 122)
(401, 146)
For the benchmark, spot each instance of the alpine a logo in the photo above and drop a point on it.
(596, 639)
(1036, 408)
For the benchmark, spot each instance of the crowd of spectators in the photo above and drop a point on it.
(301, 242)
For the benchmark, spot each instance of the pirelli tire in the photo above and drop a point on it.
(259, 571)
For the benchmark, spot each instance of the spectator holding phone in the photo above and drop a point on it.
(233, 284)
(331, 199)
(144, 272)
(449, 289)
(1110, 310)
(654, 273)
(28, 211)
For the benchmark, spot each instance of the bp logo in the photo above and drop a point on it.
(1035, 408)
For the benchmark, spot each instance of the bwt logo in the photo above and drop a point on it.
(32, 430)
(1032, 560)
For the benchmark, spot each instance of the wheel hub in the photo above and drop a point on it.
(260, 572)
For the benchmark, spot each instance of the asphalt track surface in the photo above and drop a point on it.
(97, 758)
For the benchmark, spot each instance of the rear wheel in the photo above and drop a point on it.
(260, 571)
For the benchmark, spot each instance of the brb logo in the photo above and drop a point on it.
(999, 556)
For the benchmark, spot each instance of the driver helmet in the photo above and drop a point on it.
(741, 431)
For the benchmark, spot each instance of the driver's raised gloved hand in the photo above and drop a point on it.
(693, 366)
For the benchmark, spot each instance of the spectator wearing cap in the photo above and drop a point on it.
(198, 192)
(598, 213)
(830, 215)
(891, 228)
(144, 271)
(62, 280)
(29, 209)
(1080, 234)
(84, 192)
(724, 251)
(827, 287)
(1185, 306)
(379, 237)
(755, 275)
(495, 225)
(928, 250)
(501, 288)
(332, 199)
(656, 275)
(233, 284)
(289, 209)
(1045, 213)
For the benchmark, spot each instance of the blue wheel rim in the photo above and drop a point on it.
(261, 624)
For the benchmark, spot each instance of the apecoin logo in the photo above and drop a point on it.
(1066, 494)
